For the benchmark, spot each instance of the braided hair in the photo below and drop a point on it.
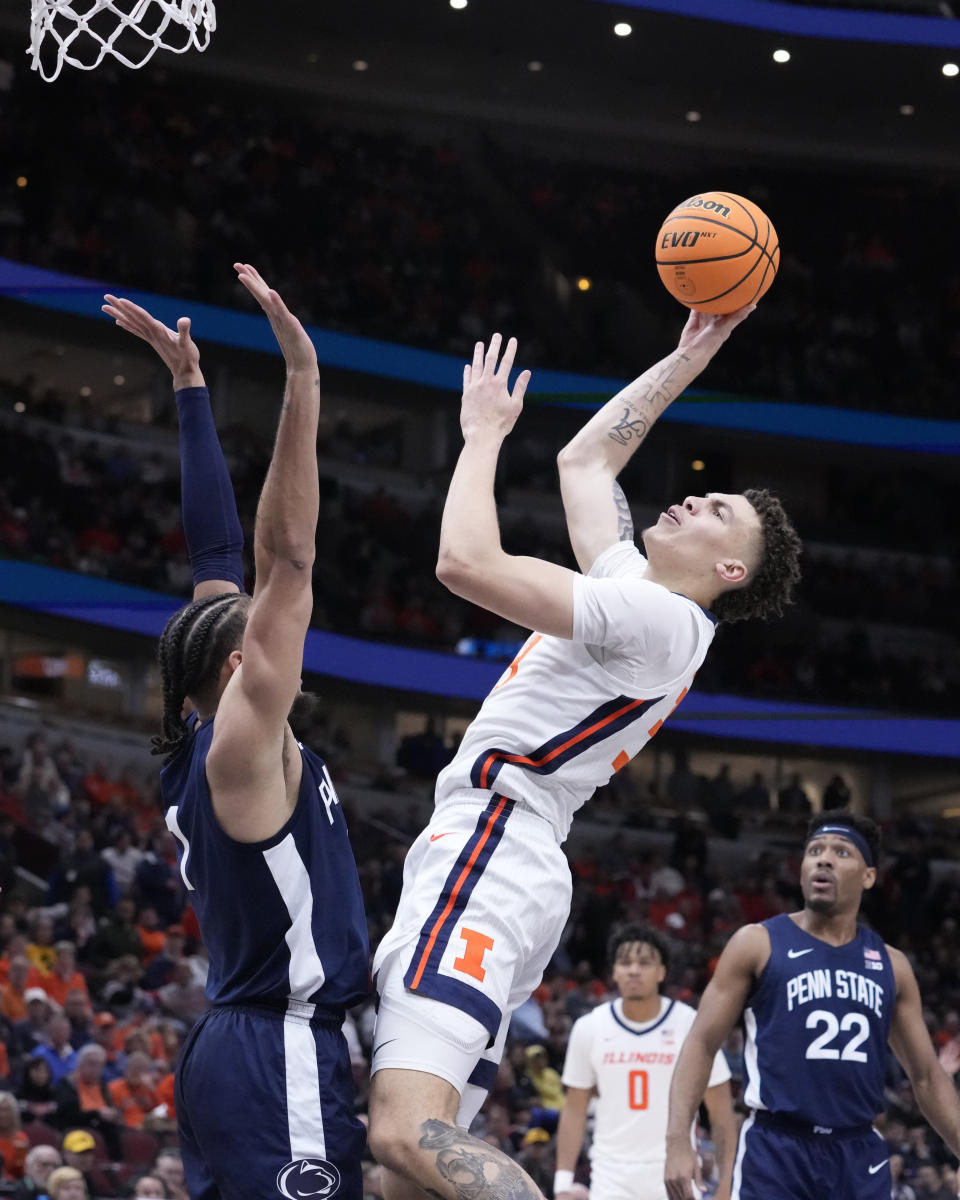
(193, 648)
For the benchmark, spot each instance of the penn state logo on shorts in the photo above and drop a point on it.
(308, 1179)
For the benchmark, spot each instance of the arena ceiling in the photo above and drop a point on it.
(855, 102)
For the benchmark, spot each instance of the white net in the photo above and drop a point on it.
(82, 33)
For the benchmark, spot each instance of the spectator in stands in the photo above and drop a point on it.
(102, 1035)
(40, 949)
(123, 858)
(83, 1099)
(184, 997)
(14, 1143)
(68, 1183)
(837, 794)
(31, 1033)
(169, 1168)
(37, 768)
(163, 965)
(64, 977)
(135, 1094)
(38, 1101)
(755, 797)
(13, 1000)
(547, 1082)
(928, 1185)
(85, 868)
(149, 1187)
(58, 1050)
(79, 1153)
(77, 1010)
(40, 1161)
(118, 936)
(792, 799)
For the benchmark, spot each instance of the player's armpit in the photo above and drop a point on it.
(530, 592)
(596, 510)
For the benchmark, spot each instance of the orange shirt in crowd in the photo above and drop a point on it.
(165, 1094)
(155, 1047)
(152, 941)
(14, 1150)
(12, 1004)
(133, 1104)
(57, 987)
(90, 1096)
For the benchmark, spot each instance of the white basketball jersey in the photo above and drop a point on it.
(567, 714)
(631, 1066)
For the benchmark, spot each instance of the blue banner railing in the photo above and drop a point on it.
(70, 293)
(381, 665)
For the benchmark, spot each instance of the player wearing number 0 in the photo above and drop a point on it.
(624, 1053)
(264, 1086)
(486, 889)
(821, 997)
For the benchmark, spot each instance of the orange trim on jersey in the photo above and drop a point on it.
(620, 761)
(524, 760)
(448, 908)
(515, 665)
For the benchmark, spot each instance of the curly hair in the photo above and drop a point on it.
(193, 648)
(626, 935)
(772, 584)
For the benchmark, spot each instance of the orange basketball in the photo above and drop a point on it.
(717, 252)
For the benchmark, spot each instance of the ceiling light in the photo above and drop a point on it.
(21, 181)
(360, 64)
(907, 110)
(692, 115)
(621, 29)
(781, 56)
(19, 407)
(950, 69)
(119, 380)
(458, 3)
(697, 465)
(536, 65)
(86, 391)
(584, 284)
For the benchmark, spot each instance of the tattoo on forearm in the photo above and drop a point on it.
(629, 427)
(654, 392)
(624, 519)
(474, 1169)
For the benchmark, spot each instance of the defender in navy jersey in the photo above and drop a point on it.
(264, 1091)
(822, 997)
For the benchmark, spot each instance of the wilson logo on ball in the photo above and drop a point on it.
(713, 206)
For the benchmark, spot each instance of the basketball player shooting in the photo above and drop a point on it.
(486, 889)
(821, 996)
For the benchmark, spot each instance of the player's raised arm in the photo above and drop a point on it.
(472, 562)
(597, 510)
(211, 525)
(910, 1041)
(741, 961)
(251, 794)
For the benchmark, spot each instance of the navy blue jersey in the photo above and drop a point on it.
(282, 918)
(817, 1023)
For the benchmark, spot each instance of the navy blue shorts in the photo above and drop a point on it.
(265, 1108)
(791, 1164)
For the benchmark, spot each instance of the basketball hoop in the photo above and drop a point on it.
(85, 32)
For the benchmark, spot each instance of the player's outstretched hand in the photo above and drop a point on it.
(175, 346)
(682, 1172)
(705, 333)
(298, 351)
(488, 405)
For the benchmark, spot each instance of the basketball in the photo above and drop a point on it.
(717, 252)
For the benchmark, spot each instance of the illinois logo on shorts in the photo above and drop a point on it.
(308, 1179)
